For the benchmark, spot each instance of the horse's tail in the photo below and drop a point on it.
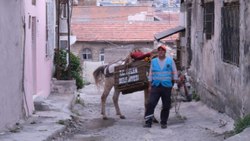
(99, 75)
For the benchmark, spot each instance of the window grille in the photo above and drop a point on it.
(230, 33)
(209, 19)
(188, 30)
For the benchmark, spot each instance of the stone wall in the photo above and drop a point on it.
(112, 52)
(63, 86)
(221, 85)
(97, 46)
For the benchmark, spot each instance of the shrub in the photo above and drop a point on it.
(78, 78)
(195, 96)
(62, 71)
(241, 124)
(60, 62)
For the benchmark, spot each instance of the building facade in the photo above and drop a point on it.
(28, 42)
(39, 45)
(217, 32)
(94, 37)
(12, 95)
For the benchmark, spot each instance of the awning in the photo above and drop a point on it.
(169, 32)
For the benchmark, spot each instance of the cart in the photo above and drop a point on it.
(131, 77)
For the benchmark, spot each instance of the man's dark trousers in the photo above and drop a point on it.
(156, 93)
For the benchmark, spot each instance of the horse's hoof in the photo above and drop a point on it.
(104, 118)
(122, 117)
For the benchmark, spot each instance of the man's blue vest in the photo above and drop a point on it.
(162, 76)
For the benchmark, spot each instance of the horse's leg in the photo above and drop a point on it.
(146, 100)
(107, 88)
(115, 100)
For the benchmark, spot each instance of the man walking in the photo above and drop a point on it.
(162, 72)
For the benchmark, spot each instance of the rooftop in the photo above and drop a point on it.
(120, 31)
(100, 13)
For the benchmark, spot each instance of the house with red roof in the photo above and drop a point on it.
(100, 28)
(94, 37)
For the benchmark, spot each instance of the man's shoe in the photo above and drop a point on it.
(147, 125)
(163, 126)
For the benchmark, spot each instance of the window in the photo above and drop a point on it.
(101, 56)
(87, 54)
(50, 31)
(188, 30)
(63, 44)
(33, 32)
(209, 19)
(47, 32)
(64, 12)
(230, 33)
(33, 2)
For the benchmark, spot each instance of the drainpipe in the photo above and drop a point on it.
(58, 23)
(27, 110)
(58, 35)
(68, 21)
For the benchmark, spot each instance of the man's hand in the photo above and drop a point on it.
(175, 81)
(175, 86)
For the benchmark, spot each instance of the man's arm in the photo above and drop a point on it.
(174, 72)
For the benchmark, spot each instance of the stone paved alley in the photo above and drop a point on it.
(57, 123)
(197, 122)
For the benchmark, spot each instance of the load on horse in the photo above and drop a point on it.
(127, 76)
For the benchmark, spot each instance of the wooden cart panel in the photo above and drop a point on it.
(131, 77)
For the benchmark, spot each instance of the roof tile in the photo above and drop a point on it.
(119, 31)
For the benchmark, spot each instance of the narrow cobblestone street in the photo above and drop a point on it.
(197, 122)
(53, 51)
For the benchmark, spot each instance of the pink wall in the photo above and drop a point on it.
(44, 64)
(38, 68)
